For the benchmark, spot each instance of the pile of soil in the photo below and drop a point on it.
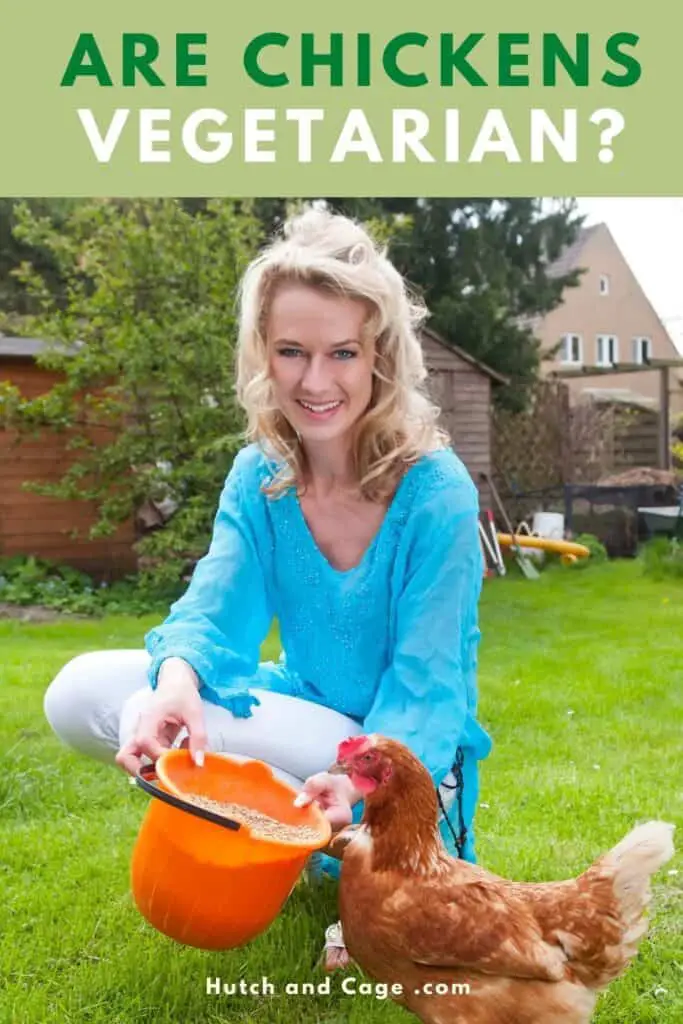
(641, 475)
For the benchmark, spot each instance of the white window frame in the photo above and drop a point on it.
(603, 286)
(566, 353)
(638, 349)
(600, 358)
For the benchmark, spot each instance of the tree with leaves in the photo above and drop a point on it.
(15, 301)
(142, 332)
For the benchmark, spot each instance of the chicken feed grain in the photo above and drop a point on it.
(262, 825)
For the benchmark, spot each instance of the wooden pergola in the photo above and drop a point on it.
(661, 366)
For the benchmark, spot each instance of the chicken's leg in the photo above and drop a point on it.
(335, 954)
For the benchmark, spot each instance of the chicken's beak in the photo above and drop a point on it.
(339, 768)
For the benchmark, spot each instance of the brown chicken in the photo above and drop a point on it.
(461, 945)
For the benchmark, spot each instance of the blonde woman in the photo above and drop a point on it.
(350, 520)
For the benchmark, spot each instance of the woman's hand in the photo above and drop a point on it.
(174, 704)
(336, 795)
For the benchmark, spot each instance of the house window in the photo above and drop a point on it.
(571, 349)
(607, 349)
(604, 284)
(642, 350)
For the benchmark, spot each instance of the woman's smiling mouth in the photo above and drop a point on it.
(319, 410)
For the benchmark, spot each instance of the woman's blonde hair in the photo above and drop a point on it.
(335, 254)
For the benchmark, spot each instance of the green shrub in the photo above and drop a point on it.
(29, 580)
(598, 551)
(662, 558)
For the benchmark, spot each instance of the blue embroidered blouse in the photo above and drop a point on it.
(391, 642)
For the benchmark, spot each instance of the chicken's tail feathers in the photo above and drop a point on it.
(613, 893)
(631, 863)
(620, 882)
(642, 852)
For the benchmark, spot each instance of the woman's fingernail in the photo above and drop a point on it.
(302, 799)
(199, 758)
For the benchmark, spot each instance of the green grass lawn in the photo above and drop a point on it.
(581, 681)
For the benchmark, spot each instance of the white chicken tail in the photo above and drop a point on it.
(632, 862)
(639, 854)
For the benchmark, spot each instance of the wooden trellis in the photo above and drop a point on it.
(551, 443)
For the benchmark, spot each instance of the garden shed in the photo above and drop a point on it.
(32, 524)
(463, 388)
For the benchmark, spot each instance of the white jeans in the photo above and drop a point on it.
(94, 704)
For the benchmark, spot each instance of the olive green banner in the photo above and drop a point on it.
(272, 99)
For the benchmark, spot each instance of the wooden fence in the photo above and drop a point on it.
(552, 443)
(33, 524)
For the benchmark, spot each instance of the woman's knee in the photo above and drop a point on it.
(81, 708)
(65, 695)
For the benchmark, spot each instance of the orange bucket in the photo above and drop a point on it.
(206, 880)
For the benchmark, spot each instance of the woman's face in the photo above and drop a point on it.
(320, 366)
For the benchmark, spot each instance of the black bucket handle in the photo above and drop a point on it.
(144, 780)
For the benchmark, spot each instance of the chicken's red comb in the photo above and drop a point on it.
(352, 746)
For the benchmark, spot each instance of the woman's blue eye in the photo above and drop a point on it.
(340, 353)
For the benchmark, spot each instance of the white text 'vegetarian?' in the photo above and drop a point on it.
(260, 135)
